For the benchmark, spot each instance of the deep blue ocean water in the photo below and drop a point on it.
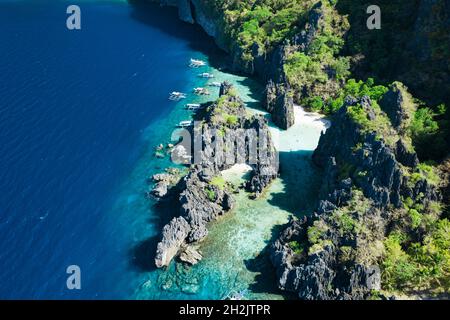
(78, 111)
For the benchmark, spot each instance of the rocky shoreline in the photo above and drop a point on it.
(365, 181)
(269, 68)
(374, 187)
(226, 136)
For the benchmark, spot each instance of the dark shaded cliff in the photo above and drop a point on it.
(379, 212)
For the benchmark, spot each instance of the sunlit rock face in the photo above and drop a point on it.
(223, 141)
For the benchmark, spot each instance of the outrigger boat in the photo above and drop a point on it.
(193, 106)
(215, 84)
(197, 63)
(176, 96)
(201, 91)
(206, 75)
(186, 123)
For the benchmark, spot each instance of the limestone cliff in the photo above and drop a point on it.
(336, 252)
(223, 136)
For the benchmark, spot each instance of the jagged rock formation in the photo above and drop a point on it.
(280, 104)
(424, 63)
(398, 105)
(164, 184)
(365, 180)
(225, 137)
(173, 236)
(368, 159)
(279, 92)
(190, 255)
(319, 276)
(367, 173)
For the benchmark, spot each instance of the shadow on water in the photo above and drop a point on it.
(301, 180)
(266, 280)
(256, 92)
(142, 255)
(166, 20)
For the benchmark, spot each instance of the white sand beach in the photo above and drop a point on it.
(303, 135)
(237, 173)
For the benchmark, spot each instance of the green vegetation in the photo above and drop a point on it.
(302, 71)
(423, 134)
(425, 172)
(346, 254)
(230, 120)
(265, 24)
(429, 134)
(297, 247)
(381, 53)
(356, 89)
(211, 194)
(316, 232)
(378, 123)
(411, 244)
(316, 72)
(225, 111)
(418, 266)
(375, 295)
(346, 224)
(219, 182)
(412, 263)
(250, 27)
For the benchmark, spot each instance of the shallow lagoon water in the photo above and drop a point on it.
(235, 256)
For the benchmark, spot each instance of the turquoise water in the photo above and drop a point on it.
(81, 114)
(235, 251)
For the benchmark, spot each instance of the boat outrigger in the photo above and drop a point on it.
(197, 63)
(176, 96)
(186, 123)
(206, 75)
(201, 91)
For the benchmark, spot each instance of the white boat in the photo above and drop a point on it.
(186, 123)
(193, 106)
(201, 91)
(215, 84)
(176, 93)
(206, 75)
(176, 96)
(197, 63)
